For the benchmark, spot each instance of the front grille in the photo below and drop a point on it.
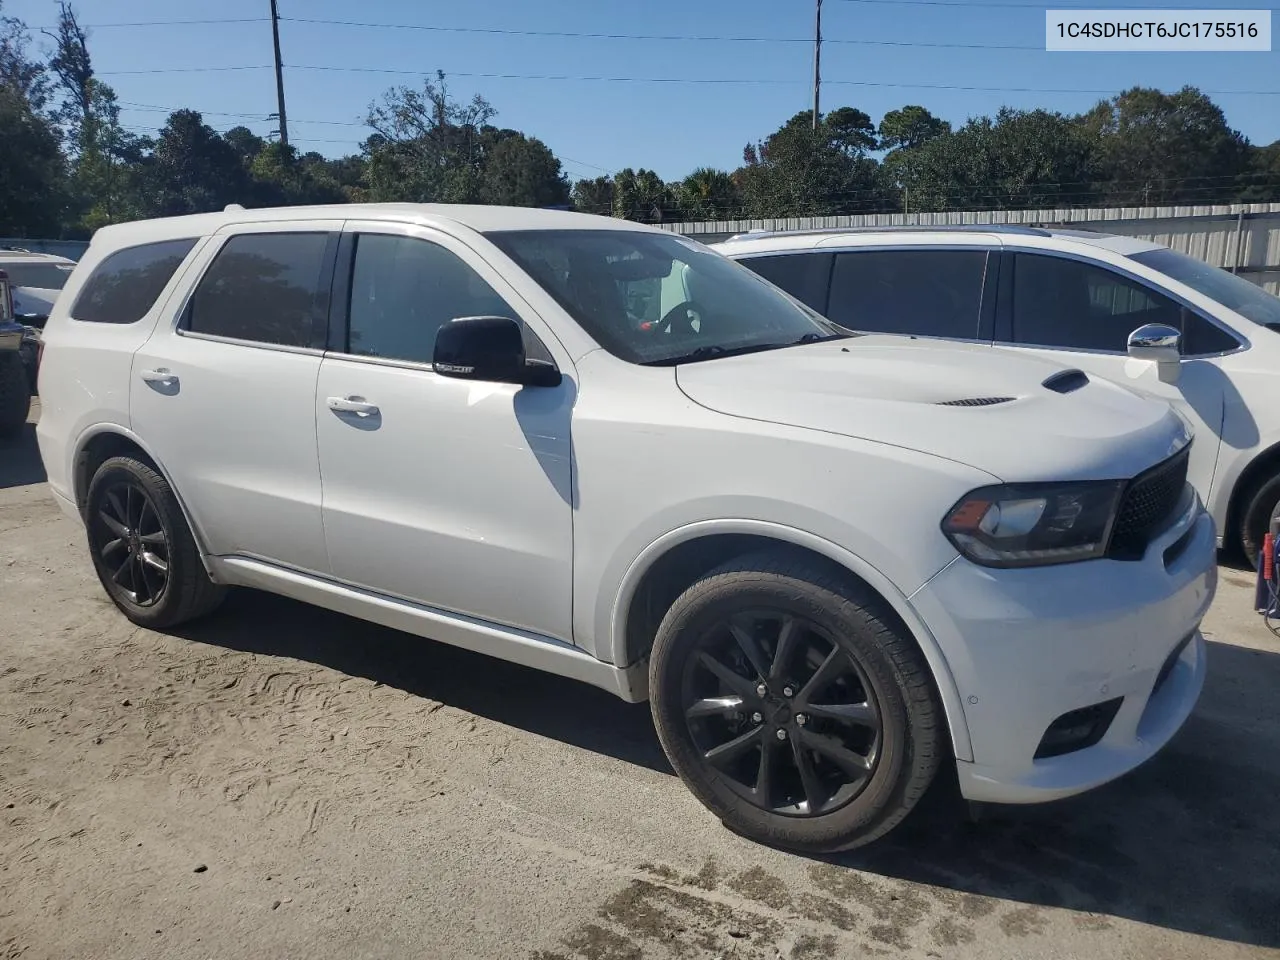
(1148, 503)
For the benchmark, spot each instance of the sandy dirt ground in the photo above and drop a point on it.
(278, 781)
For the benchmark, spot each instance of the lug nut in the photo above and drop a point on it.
(757, 717)
(801, 719)
(761, 690)
(782, 734)
(788, 692)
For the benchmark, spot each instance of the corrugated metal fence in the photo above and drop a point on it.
(1243, 238)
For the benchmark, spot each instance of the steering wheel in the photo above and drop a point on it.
(683, 312)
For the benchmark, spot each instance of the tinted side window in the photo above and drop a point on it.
(930, 293)
(1059, 302)
(1200, 336)
(126, 284)
(266, 287)
(404, 289)
(803, 275)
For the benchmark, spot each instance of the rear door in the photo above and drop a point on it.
(224, 390)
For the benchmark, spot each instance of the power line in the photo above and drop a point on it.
(740, 80)
(663, 37)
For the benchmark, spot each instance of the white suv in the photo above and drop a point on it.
(831, 562)
(1095, 301)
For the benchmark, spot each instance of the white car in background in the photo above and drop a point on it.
(1132, 311)
(825, 560)
(36, 280)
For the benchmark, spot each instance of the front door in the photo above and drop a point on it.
(455, 494)
(1080, 314)
(224, 391)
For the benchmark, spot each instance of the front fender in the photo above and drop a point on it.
(614, 626)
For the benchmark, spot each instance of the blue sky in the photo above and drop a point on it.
(596, 126)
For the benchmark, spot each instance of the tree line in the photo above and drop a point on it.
(68, 165)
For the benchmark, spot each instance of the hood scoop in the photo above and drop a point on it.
(975, 401)
(1066, 381)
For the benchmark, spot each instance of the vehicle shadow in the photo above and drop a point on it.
(541, 703)
(1189, 841)
(20, 462)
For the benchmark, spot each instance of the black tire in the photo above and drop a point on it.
(125, 492)
(1255, 517)
(15, 393)
(839, 616)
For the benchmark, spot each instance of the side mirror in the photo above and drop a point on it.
(1161, 345)
(489, 348)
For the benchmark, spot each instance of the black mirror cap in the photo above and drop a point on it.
(491, 349)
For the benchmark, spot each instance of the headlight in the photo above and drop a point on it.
(1032, 524)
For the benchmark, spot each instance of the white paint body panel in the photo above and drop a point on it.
(1232, 401)
(520, 521)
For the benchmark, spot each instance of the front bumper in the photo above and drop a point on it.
(1027, 646)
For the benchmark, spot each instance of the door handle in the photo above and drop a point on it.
(161, 376)
(357, 405)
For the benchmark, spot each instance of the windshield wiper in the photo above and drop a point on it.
(716, 350)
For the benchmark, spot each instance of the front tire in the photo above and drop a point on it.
(15, 394)
(1255, 518)
(793, 705)
(142, 548)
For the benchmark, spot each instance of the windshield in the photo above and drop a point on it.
(47, 276)
(656, 299)
(1233, 292)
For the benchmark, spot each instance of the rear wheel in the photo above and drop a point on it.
(142, 548)
(15, 393)
(1255, 517)
(793, 706)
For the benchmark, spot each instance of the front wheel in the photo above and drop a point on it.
(142, 548)
(793, 705)
(1255, 518)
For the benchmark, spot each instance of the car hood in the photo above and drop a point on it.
(976, 405)
(34, 301)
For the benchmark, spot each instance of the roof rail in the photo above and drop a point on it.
(1015, 228)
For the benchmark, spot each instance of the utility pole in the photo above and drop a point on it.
(817, 59)
(275, 36)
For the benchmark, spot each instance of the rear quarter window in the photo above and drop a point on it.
(125, 285)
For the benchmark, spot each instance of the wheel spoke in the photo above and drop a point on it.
(143, 588)
(154, 562)
(734, 748)
(128, 562)
(713, 707)
(809, 781)
(833, 750)
(739, 684)
(751, 647)
(764, 773)
(111, 546)
(153, 539)
(831, 668)
(788, 634)
(117, 506)
(854, 714)
(114, 525)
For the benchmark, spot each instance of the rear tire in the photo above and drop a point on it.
(15, 394)
(1255, 517)
(832, 756)
(142, 548)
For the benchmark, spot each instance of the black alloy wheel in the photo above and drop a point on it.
(129, 540)
(781, 712)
